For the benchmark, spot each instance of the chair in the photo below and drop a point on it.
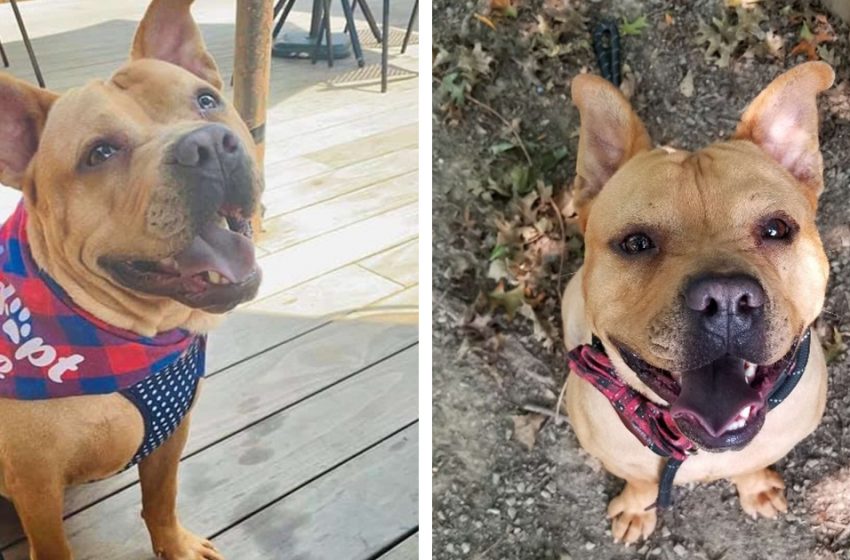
(27, 44)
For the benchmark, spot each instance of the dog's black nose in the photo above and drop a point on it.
(726, 305)
(211, 146)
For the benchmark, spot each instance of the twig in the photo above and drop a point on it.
(843, 535)
(564, 241)
(557, 411)
(537, 409)
(493, 112)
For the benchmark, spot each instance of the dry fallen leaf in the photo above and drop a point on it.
(486, 21)
(526, 427)
(686, 87)
(836, 347)
(510, 300)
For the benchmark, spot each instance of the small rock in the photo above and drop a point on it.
(680, 550)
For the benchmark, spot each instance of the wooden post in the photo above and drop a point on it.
(251, 70)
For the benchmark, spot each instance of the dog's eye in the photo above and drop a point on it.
(776, 229)
(101, 153)
(636, 243)
(207, 102)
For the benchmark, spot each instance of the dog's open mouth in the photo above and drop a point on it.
(216, 272)
(721, 405)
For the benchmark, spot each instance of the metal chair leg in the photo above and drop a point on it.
(286, 9)
(385, 46)
(27, 43)
(413, 15)
(3, 56)
(369, 16)
(355, 40)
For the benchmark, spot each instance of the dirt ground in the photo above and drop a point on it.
(504, 153)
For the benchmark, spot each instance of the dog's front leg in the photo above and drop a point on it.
(631, 516)
(761, 493)
(158, 474)
(38, 499)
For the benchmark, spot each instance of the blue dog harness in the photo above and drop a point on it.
(163, 399)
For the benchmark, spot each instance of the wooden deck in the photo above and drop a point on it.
(304, 441)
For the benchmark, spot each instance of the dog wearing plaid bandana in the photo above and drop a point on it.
(131, 240)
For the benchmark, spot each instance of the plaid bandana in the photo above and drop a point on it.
(51, 348)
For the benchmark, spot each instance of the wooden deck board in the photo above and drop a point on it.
(399, 264)
(336, 249)
(408, 549)
(263, 463)
(298, 399)
(372, 492)
(357, 287)
(308, 223)
(287, 197)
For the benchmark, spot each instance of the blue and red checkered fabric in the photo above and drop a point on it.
(51, 348)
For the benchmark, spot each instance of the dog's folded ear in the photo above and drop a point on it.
(168, 32)
(23, 112)
(783, 121)
(611, 133)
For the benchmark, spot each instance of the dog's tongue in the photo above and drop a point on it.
(220, 250)
(714, 394)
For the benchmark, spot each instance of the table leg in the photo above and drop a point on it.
(251, 71)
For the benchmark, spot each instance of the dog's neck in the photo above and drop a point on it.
(106, 300)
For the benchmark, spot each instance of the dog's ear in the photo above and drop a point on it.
(23, 112)
(611, 133)
(168, 32)
(783, 121)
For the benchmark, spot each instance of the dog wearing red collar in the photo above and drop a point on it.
(689, 322)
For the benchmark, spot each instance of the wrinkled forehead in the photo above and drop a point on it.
(140, 99)
(724, 185)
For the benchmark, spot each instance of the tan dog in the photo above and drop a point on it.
(138, 189)
(697, 266)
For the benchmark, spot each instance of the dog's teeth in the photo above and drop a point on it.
(216, 278)
(749, 371)
(745, 413)
(737, 425)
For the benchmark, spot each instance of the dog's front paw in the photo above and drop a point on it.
(630, 520)
(180, 544)
(762, 493)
